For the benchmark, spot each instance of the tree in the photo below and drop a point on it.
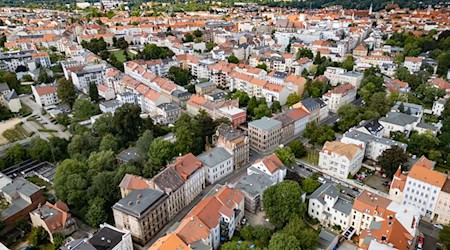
(276, 107)
(197, 33)
(93, 92)
(318, 135)
(286, 156)
(66, 91)
(161, 152)
(38, 236)
(58, 240)
(391, 159)
(109, 142)
(292, 99)
(258, 234)
(185, 140)
(96, 212)
(378, 103)
(127, 123)
(444, 236)
(318, 59)
(84, 109)
(262, 66)
(233, 59)
(282, 241)
(210, 46)
(62, 119)
(188, 38)
(282, 201)
(305, 52)
(309, 185)
(101, 161)
(422, 144)
(348, 63)
(103, 125)
(70, 183)
(152, 51)
(40, 150)
(306, 236)
(59, 148)
(16, 154)
(144, 142)
(82, 145)
(122, 43)
(11, 79)
(242, 96)
(261, 111)
(298, 148)
(180, 76)
(43, 76)
(252, 104)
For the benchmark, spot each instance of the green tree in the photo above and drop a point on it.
(63, 119)
(109, 142)
(292, 99)
(422, 144)
(305, 52)
(282, 201)
(144, 142)
(262, 66)
(197, 33)
(39, 150)
(82, 145)
(58, 240)
(93, 92)
(70, 183)
(242, 96)
(444, 236)
(38, 236)
(306, 236)
(391, 159)
(103, 125)
(261, 111)
(233, 59)
(152, 51)
(286, 156)
(84, 109)
(188, 38)
(298, 148)
(59, 147)
(348, 63)
(11, 79)
(66, 91)
(16, 154)
(180, 76)
(96, 212)
(127, 123)
(43, 76)
(258, 234)
(210, 46)
(282, 241)
(275, 107)
(101, 161)
(309, 185)
(161, 152)
(378, 103)
(122, 43)
(252, 104)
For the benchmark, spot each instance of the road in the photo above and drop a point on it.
(430, 233)
(228, 179)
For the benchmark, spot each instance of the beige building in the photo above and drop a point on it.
(442, 210)
(265, 134)
(235, 142)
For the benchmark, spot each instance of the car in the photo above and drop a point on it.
(438, 226)
(420, 242)
(355, 189)
(321, 180)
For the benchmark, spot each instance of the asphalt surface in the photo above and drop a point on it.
(430, 233)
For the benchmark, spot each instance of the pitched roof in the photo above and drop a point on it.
(133, 182)
(421, 172)
(271, 162)
(45, 90)
(297, 114)
(186, 165)
(369, 203)
(343, 149)
(169, 242)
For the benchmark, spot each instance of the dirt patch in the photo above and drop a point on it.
(5, 126)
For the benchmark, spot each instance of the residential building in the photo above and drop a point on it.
(329, 207)
(342, 76)
(11, 101)
(264, 134)
(287, 126)
(107, 238)
(300, 118)
(398, 122)
(170, 241)
(339, 96)
(236, 116)
(373, 146)
(270, 165)
(413, 64)
(82, 77)
(54, 218)
(235, 141)
(110, 106)
(45, 95)
(316, 107)
(253, 186)
(372, 127)
(341, 159)
(442, 210)
(397, 186)
(205, 88)
(438, 106)
(408, 108)
(167, 113)
(128, 155)
(441, 84)
(131, 182)
(106, 92)
(143, 213)
(360, 50)
(13, 59)
(328, 240)
(218, 163)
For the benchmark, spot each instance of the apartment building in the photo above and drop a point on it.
(339, 96)
(264, 134)
(413, 64)
(439, 106)
(45, 95)
(316, 107)
(327, 205)
(442, 210)
(342, 76)
(270, 165)
(167, 113)
(253, 185)
(341, 159)
(235, 141)
(398, 122)
(170, 241)
(11, 60)
(235, 115)
(218, 163)
(84, 76)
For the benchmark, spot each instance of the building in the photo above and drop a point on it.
(45, 95)
(236, 116)
(270, 165)
(106, 92)
(131, 182)
(107, 238)
(372, 127)
(339, 96)
(439, 106)
(342, 76)
(82, 77)
(413, 64)
(170, 241)
(398, 122)
(218, 163)
(373, 146)
(54, 218)
(167, 113)
(13, 59)
(11, 101)
(409, 109)
(143, 213)
(110, 106)
(442, 210)
(264, 134)
(300, 118)
(326, 205)
(341, 159)
(316, 107)
(253, 186)
(235, 141)
(205, 88)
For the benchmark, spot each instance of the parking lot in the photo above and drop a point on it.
(377, 182)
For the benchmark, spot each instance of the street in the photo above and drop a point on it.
(430, 233)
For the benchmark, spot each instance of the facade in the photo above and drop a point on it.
(326, 205)
(398, 122)
(342, 76)
(45, 95)
(167, 113)
(54, 218)
(442, 210)
(11, 101)
(339, 96)
(316, 107)
(341, 159)
(253, 186)
(236, 116)
(83, 77)
(264, 134)
(413, 64)
(438, 107)
(218, 163)
(270, 165)
(235, 141)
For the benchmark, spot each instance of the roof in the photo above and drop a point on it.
(133, 182)
(186, 165)
(254, 184)
(399, 118)
(214, 156)
(168, 180)
(129, 155)
(372, 126)
(368, 202)
(45, 90)
(21, 186)
(271, 162)
(106, 239)
(328, 189)
(326, 238)
(343, 149)
(4, 87)
(54, 216)
(168, 242)
(138, 201)
(360, 136)
(11, 95)
(265, 123)
(423, 171)
(297, 114)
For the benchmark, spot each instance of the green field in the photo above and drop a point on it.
(120, 55)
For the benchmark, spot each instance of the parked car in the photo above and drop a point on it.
(438, 226)
(420, 242)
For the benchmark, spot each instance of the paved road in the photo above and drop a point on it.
(430, 233)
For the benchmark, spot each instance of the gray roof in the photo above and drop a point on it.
(399, 118)
(373, 126)
(204, 84)
(106, 239)
(265, 123)
(21, 186)
(17, 206)
(79, 244)
(219, 94)
(254, 184)
(326, 238)
(415, 109)
(312, 103)
(130, 154)
(360, 136)
(214, 156)
(343, 206)
(111, 103)
(4, 87)
(230, 133)
(146, 197)
(11, 95)
(168, 106)
(427, 126)
(168, 180)
(325, 189)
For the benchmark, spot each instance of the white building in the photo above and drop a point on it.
(110, 106)
(106, 92)
(398, 122)
(340, 159)
(87, 75)
(270, 165)
(326, 205)
(45, 95)
(218, 163)
(339, 96)
(438, 106)
(413, 64)
(342, 76)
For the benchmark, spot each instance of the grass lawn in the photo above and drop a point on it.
(120, 55)
(17, 133)
(312, 157)
(39, 182)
